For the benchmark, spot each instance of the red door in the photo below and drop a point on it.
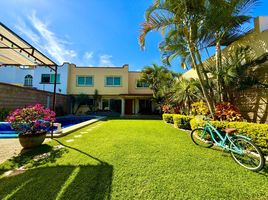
(128, 107)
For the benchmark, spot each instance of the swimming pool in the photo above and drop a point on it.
(7, 132)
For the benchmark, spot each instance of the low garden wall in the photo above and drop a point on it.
(12, 96)
(257, 132)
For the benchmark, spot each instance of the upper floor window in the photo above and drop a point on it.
(49, 78)
(84, 81)
(113, 81)
(28, 80)
(141, 84)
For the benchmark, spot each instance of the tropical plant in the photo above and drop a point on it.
(199, 108)
(227, 112)
(32, 120)
(96, 100)
(185, 92)
(160, 81)
(190, 26)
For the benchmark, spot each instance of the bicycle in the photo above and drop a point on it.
(243, 150)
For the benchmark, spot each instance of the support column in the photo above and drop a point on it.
(122, 107)
(136, 101)
(55, 89)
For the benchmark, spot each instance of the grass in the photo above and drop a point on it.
(130, 159)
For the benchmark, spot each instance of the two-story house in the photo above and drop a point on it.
(120, 89)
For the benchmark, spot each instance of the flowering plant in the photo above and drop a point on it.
(227, 111)
(31, 120)
(166, 109)
(199, 108)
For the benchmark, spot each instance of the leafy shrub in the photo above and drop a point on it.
(199, 108)
(4, 113)
(168, 118)
(227, 111)
(166, 109)
(257, 132)
(182, 121)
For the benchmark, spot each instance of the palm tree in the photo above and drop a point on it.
(186, 18)
(187, 91)
(160, 81)
(192, 25)
(225, 22)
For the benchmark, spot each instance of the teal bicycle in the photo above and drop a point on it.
(243, 150)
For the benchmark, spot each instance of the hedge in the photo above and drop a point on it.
(168, 118)
(182, 121)
(257, 132)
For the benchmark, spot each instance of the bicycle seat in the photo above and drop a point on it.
(230, 130)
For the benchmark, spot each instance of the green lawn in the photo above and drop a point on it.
(130, 159)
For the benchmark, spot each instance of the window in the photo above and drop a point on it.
(49, 78)
(113, 81)
(84, 81)
(28, 80)
(141, 84)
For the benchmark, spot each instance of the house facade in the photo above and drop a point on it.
(40, 78)
(120, 90)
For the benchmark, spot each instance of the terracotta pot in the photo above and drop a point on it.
(31, 141)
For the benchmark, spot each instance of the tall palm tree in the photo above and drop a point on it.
(193, 25)
(186, 17)
(224, 20)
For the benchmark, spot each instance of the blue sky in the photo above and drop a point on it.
(88, 32)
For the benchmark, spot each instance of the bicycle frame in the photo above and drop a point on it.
(223, 143)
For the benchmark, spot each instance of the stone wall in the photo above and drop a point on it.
(12, 96)
(253, 105)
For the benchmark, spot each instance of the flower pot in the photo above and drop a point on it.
(31, 141)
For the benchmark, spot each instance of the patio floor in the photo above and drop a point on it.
(9, 148)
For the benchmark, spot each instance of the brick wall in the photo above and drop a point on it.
(12, 96)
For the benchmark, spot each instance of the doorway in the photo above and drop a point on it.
(128, 106)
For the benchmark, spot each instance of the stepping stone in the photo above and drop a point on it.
(69, 140)
(83, 132)
(89, 129)
(78, 136)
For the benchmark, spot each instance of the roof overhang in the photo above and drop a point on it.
(15, 51)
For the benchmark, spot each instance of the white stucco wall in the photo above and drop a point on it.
(15, 75)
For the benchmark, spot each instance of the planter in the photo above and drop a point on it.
(31, 141)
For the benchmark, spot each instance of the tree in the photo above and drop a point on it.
(160, 81)
(186, 17)
(190, 26)
(186, 91)
(237, 72)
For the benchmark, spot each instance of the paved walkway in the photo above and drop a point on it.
(9, 148)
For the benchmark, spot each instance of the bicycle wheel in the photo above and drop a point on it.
(202, 138)
(250, 157)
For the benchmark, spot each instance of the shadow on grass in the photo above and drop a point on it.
(55, 182)
(59, 182)
(33, 158)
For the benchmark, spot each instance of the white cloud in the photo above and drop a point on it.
(46, 40)
(105, 60)
(88, 55)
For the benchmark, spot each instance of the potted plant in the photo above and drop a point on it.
(32, 124)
